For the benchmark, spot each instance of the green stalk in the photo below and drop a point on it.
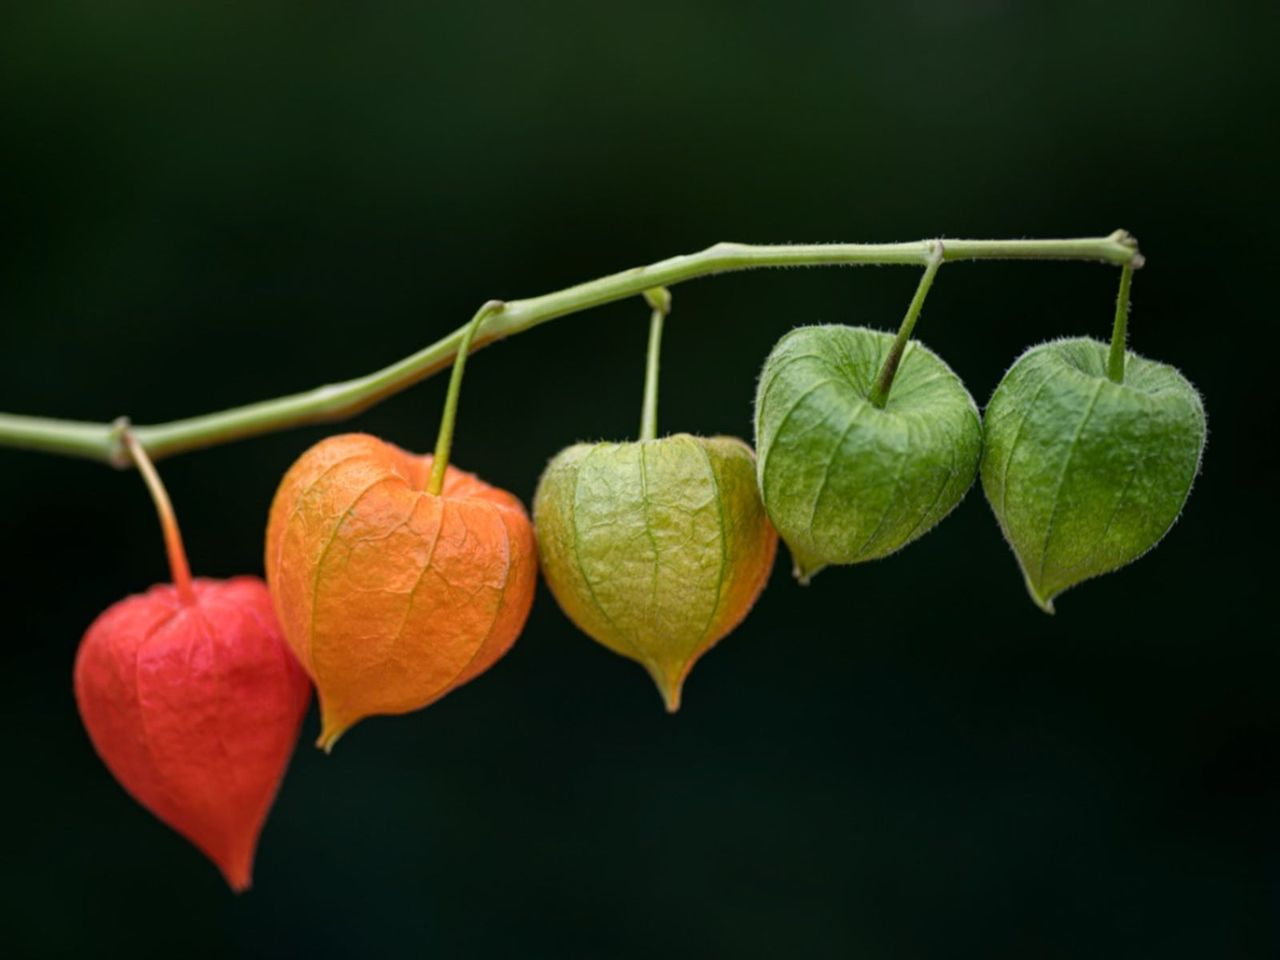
(97, 441)
(1120, 328)
(659, 299)
(444, 439)
(884, 382)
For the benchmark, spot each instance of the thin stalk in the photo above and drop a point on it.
(178, 567)
(884, 382)
(660, 300)
(98, 441)
(1120, 328)
(444, 439)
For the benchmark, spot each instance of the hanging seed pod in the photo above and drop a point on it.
(656, 549)
(843, 479)
(397, 578)
(1085, 474)
(195, 708)
(193, 702)
(392, 596)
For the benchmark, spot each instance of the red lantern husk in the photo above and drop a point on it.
(194, 703)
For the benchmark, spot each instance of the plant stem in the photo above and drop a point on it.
(659, 299)
(98, 441)
(1120, 328)
(444, 439)
(884, 382)
(178, 567)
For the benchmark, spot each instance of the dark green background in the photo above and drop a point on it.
(204, 205)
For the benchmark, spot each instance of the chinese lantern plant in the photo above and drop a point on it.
(655, 548)
(396, 577)
(1091, 452)
(193, 701)
(866, 440)
(1086, 467)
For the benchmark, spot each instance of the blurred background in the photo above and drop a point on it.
(205, 205)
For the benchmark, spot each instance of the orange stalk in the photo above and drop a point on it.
(178, 567)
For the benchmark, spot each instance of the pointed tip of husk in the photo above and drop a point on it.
(1044, 603)
(240, 885)
(804, 571)
(670, 686)
(331, 732)
(239, 874)
(671, 697)
(327, 739)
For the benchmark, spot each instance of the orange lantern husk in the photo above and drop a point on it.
(389, 595)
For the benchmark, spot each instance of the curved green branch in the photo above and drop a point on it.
(103, 441)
